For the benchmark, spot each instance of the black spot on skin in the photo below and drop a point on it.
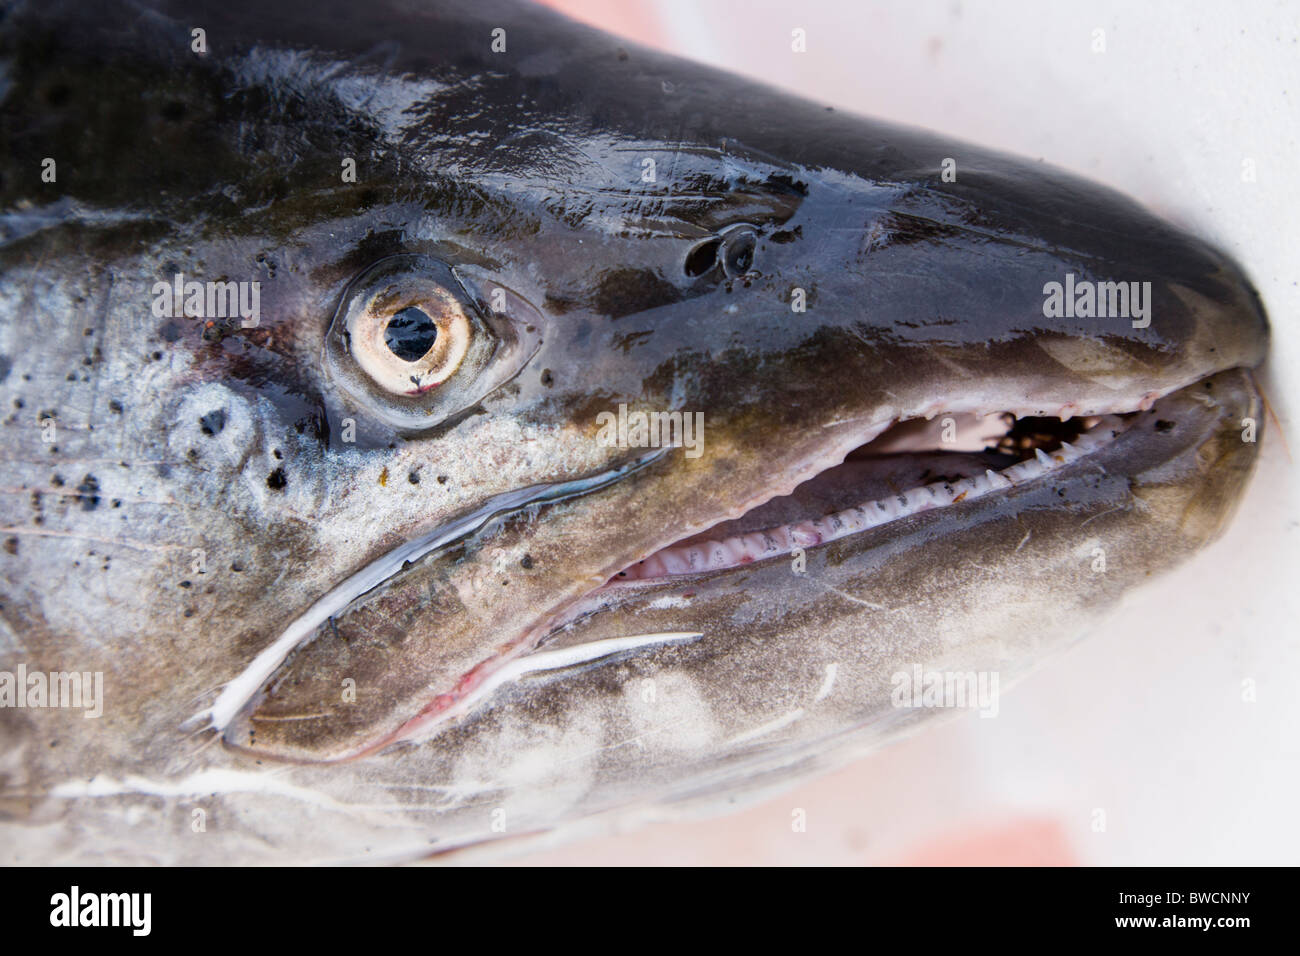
(88, 493)
(276, 480)
(115, 406)
(236, 567)
(279, 456)
(156, 356)
(57, 481)
(526, 562)
(442, 479)
(547, 378)
(1163, 426)
(117, 502)
(213, 422)
(11, 545)
(413, 476)
(189, 612)
(19, 403)
(6, 366)
(186, 584)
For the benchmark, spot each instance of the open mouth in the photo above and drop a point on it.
(913, 466)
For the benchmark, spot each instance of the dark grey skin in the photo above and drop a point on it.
(207, 482)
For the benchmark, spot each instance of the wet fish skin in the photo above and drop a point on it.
(524, 170)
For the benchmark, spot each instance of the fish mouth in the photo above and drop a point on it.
(902, 468)
(914, 465)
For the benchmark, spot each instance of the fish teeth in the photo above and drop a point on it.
(739, 550)
(674, 561)
(805, 534)
(997, 479)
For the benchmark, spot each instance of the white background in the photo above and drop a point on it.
(1144, 720)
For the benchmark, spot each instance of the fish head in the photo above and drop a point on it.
(431, 430)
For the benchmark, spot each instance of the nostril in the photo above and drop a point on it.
(738, 251)
(702, 258)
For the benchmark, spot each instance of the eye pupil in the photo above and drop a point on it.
(410, 334)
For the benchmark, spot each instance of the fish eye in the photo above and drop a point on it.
(736, 250)
(410, 336)
(414, 342)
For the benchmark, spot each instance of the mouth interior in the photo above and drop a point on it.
(915, 465)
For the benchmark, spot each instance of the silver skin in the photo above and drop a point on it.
(167, 548)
